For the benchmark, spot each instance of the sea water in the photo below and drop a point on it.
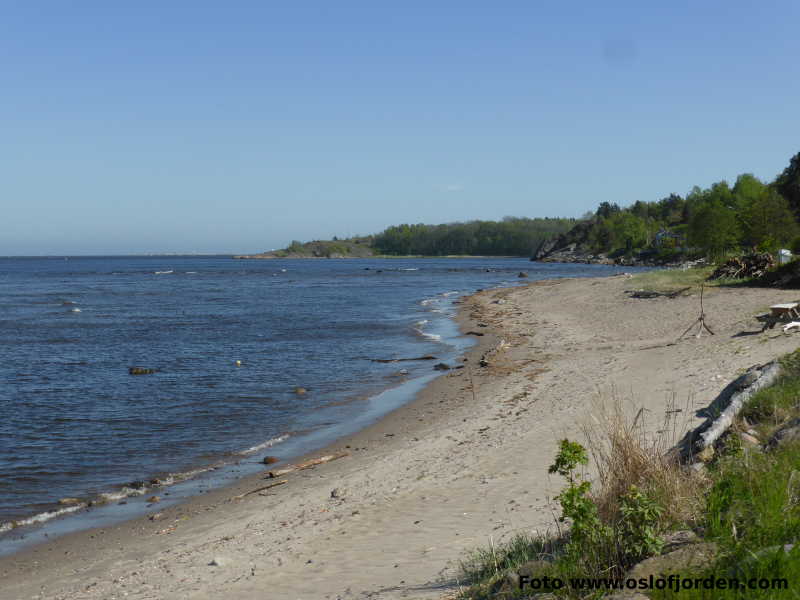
(229, 341)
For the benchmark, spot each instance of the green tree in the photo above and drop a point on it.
(747, 190)
(788, 184)
(768, 221)
(714, 228)
(606, 209)
(627, 231)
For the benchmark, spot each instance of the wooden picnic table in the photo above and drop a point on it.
(787, 310)
(780, 313)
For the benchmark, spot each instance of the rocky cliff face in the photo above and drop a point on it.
(572, 246)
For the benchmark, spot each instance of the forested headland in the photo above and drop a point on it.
(724, 218)
(749, 215)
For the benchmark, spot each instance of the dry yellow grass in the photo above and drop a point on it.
(625, 455)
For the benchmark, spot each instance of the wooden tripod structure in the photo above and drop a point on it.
(700, 323)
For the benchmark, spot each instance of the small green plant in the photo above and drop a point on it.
(587, 530)
(638, 532)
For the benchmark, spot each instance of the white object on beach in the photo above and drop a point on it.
(792, 325)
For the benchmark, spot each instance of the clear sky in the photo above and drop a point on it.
(239, 126)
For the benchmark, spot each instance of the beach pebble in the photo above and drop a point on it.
(156, 516)
(218, 561)
(336, 493)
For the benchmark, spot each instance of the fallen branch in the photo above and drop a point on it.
(750, 383)
(261, 489)
(306, 464)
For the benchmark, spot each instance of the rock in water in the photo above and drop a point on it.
(140, 371)
(69, 501)
(441, 367)
(271, 460)
(300, 390)
(522, 274)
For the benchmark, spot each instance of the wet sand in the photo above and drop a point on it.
(463, 464)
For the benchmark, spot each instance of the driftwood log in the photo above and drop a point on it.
(749, 383)
(306, 464)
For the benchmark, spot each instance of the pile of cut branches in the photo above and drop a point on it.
(747, 266)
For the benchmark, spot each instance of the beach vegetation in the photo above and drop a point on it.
(745, 508)
(638, 493)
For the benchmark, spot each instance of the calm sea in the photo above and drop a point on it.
(75, 423)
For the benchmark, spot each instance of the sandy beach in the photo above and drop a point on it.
(463, 465)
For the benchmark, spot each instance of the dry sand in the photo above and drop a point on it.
(446, 473)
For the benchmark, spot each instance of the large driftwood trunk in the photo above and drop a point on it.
(751, 382)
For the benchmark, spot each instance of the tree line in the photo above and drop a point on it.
(751, 214)
(513, 236)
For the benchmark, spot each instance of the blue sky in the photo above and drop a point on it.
(239, 126)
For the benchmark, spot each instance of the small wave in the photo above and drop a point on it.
(125, 492)
(446, 294)
(41, 517)
(74, 310)
(420, 332)
(267, 444)
(408, 269)
(162, 272)
(191, 272)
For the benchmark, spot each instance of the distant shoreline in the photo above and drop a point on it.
(268, 256)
